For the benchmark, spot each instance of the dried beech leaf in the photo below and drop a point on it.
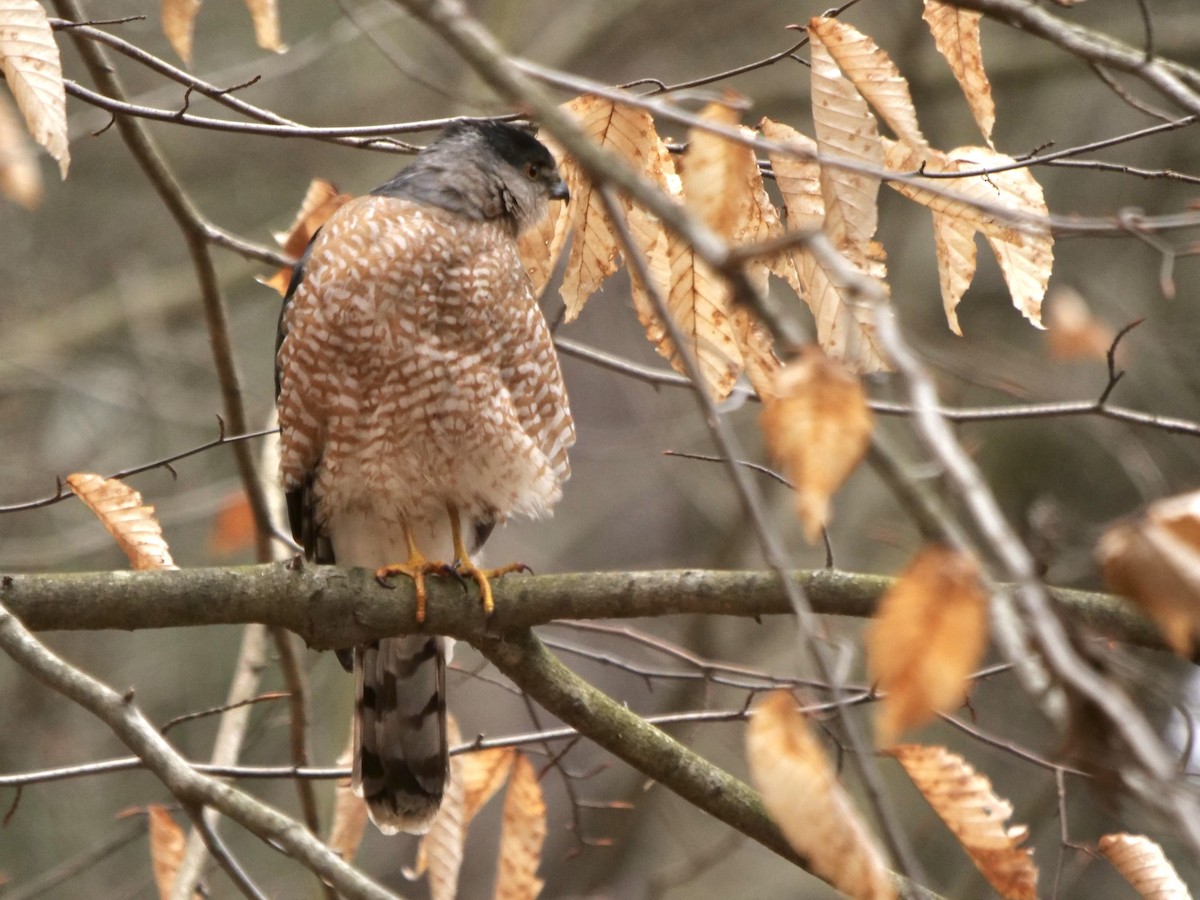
(874, 75)
(758, 352)
(1072, 330)
(440, 853)
(119, 507)
(846, 130)
(802, 795)
(1025, 252)
(523, 834)
(817, 426)
(233, 529)
(266, 25)
(696, 296)
(954, 243)
(845, 330)
(927, 637)
(166, 849)
(179, 24)
(964, 800)
(349, 812)
(798, 176)
(483, 772)
(20, 178)
(1143, 864)
(320, 202)
(533, 246)
(1155, 562)
(629, 133)
(31, 65)
(956, 34)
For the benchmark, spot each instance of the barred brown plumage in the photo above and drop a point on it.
(419, 390)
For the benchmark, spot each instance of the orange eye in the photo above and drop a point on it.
(532, 170)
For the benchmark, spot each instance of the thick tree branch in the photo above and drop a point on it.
(331, 606)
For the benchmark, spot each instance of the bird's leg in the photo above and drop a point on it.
(465, 566)
(416, 568)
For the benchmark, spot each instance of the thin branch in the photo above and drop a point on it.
(192, 788)
(193, 227)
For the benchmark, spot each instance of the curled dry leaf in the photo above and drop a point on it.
(929, 634)
(1024, 250)
(1072, 330)
(166, 849)
(179, 24)
(523, 835)
(802, 795)
(817, 426)
(956, 34)
(1155, 562)
(320, 202)
(964, 800)
(845, 329)
(533, 246)
(349, 811)
(31, 65)
(20, 178)
(1143, 864)
(873, 74)
(119, 507)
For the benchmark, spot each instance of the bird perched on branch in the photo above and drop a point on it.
(420, 403)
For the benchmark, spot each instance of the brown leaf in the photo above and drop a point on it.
(533, 246)
(1072, 330)
(483, 772)
(846, 130)
(31, 65)
(956, 34)
(817, 426)
(266, 25)
(873, 74)
(964, 800)
(119, 507)
(166, 849)
(629, 133)
(321, 201)
(1143, 864)
(523, 835)
(349, 812)
(1155, 562)
(233, 529)
(179, 24)
(845, 330)
(1025, 252)
(954, 244)
(927, 637)
(802, 795)
(696, 297)
(20, 178)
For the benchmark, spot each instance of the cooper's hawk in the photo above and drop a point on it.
(419, 393)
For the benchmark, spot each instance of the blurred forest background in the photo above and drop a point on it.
(105, 363)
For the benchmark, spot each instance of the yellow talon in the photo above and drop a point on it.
(465, 567)
(416, 568)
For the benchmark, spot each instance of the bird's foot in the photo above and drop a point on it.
(483, 577)
(416, 569)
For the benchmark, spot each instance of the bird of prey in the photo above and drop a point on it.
(420, 403)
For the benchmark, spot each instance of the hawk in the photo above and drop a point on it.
(420, 403)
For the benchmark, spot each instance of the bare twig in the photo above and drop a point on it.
(192, 788)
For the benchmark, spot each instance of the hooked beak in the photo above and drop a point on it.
(559, 191)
